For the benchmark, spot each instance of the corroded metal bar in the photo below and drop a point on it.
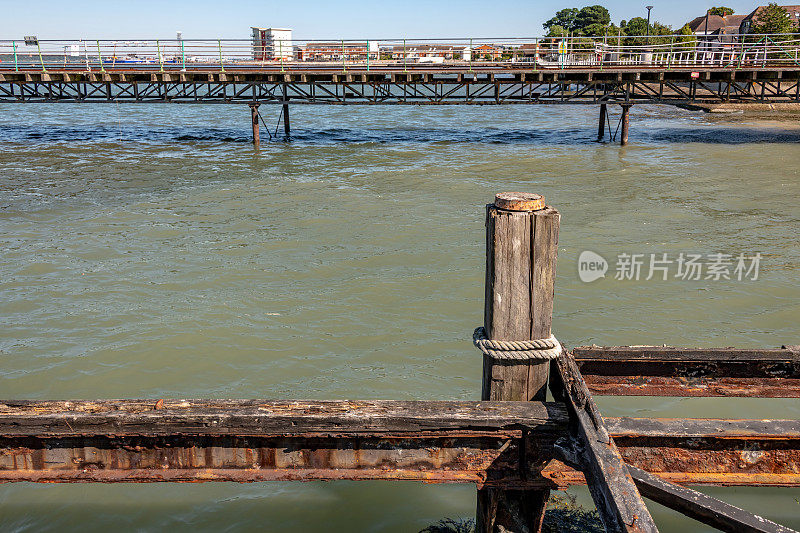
(704, 451)
(253, 440)
(668, 371)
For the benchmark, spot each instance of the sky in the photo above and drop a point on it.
(311, 19)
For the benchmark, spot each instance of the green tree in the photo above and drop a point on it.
(557, 31)
(722, 11)
(773, 19)
(635, 26)
(564, 18)
(592, 16)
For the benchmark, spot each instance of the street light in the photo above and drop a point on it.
(648, 23)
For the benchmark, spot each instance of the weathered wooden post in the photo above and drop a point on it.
(626, 123)
(601, 126)
(521, 246)
(256, 129)
(285, 110)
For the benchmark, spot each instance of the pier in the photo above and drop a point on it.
(514, 445)
(683, 71)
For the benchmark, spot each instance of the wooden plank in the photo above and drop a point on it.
(671, 353)
(268, 417)
(666, 371)
(593, 451)
(257, 440)
(701, 507)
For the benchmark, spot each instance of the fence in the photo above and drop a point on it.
(657, 52)
(513, 445)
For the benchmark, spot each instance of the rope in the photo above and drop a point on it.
(537, 349)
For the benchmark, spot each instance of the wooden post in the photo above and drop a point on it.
(256, 129)
(285, 111)
(521, 246)
(626, 123)
(601, 126)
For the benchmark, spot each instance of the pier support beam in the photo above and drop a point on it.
(256, 129)
(601, 126)
(286, 127)
(626, 123)
(521, 245)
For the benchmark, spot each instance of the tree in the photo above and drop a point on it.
(722, 11)
(564, 18)
(592, 16)
(773, 19)
(635, 26)
(557, 31)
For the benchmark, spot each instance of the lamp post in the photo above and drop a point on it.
(648, 23)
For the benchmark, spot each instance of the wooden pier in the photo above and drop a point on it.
(513, 445)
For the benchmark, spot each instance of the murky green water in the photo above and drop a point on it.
(147, 251)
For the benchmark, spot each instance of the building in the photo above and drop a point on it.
(715, 28)
(271, 44)
(487, 52)
(337, 50)
(415, 52)
(752, 19)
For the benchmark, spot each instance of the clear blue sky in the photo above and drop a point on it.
(310, 19)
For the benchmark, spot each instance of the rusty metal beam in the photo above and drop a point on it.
(253, 440)
(704, 451)
(669, 371)
(452, 442)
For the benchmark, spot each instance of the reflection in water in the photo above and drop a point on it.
(148, 251)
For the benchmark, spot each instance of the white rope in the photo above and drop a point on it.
(536, 349)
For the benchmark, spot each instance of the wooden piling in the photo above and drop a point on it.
(601, 126)
(285, 111)
(256, 129)
(626, 122)
(521, 246)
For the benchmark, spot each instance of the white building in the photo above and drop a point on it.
(272, 43)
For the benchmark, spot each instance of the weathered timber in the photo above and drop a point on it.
(256, 126)
(703, 508)
(703, 451)
(670, 371)
(601, 125)
(255, 440)
(521, 247)
(626, 124)
(592, 450)
(286, 125)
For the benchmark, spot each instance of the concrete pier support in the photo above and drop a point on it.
(626, 123)
(601, 126)
(286, 126)
(256, 129)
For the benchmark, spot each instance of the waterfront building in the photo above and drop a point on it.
(272, 44)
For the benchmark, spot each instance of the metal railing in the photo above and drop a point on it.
(656, 52)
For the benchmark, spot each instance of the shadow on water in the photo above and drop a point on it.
(648, 133)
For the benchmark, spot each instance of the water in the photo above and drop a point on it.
(148, 251)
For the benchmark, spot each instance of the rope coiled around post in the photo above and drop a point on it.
(535, 350)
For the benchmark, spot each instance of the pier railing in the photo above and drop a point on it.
(513, 444)
(559, 53)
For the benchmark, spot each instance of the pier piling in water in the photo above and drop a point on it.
(256, 129)
(626, 123)
(601, 125)
(521, 246)
(286, 127)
